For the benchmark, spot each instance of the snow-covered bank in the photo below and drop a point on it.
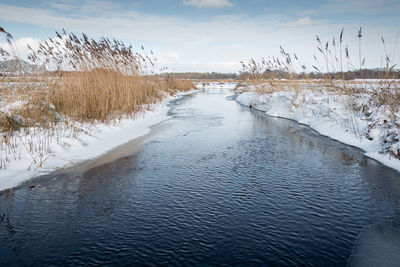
(357, 123)
(212, 86)
(67, 147)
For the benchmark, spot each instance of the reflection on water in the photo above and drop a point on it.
(378, 245)
(216, 184)
(4, 212)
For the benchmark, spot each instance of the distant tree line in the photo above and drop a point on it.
(6, 66)
(277, 74)
(202, 75)
(349, 75)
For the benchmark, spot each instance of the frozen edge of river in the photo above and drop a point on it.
(69, 151)
(279, 104)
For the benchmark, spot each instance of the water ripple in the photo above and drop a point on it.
(219, 185)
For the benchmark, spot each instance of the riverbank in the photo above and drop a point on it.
(74, 99)
(358, 122)
(233, 180)
(63, 148)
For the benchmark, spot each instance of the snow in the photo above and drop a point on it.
(213, 86)
(247, 98)
(324, 112)
(64, 148)
(330, 115)
(10, 106)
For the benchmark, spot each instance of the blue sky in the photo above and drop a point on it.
(211, 35)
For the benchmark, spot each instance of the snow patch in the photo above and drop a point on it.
(367, 127)
(68, 150)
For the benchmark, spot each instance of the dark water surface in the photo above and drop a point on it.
(217, 184)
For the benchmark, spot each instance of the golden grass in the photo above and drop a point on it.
(174, 84)
(77, 80)
(100, 95)
(273, 74)
(88, 80)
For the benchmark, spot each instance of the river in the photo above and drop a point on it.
(215, 184)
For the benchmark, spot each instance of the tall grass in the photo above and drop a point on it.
(348, 87)
(75, 80)
(328, 70)
(106, 80)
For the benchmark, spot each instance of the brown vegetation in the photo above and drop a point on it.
(89, 80)
(73, 80)
(288, 73)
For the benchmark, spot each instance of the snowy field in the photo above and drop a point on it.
(354, 121)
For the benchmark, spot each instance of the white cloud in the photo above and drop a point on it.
(208, 3)
(306, 21)
(61, 5)
(371, 7)
(216, 42)
(173, 56)
(21, 46)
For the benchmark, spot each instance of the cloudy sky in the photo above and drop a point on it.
(212, 35)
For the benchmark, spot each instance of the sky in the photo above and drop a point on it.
(213, 35)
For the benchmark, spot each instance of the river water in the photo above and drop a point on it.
(216, 184)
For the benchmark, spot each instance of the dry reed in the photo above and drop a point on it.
(74, 80)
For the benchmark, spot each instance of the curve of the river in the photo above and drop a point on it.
(216, 184)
